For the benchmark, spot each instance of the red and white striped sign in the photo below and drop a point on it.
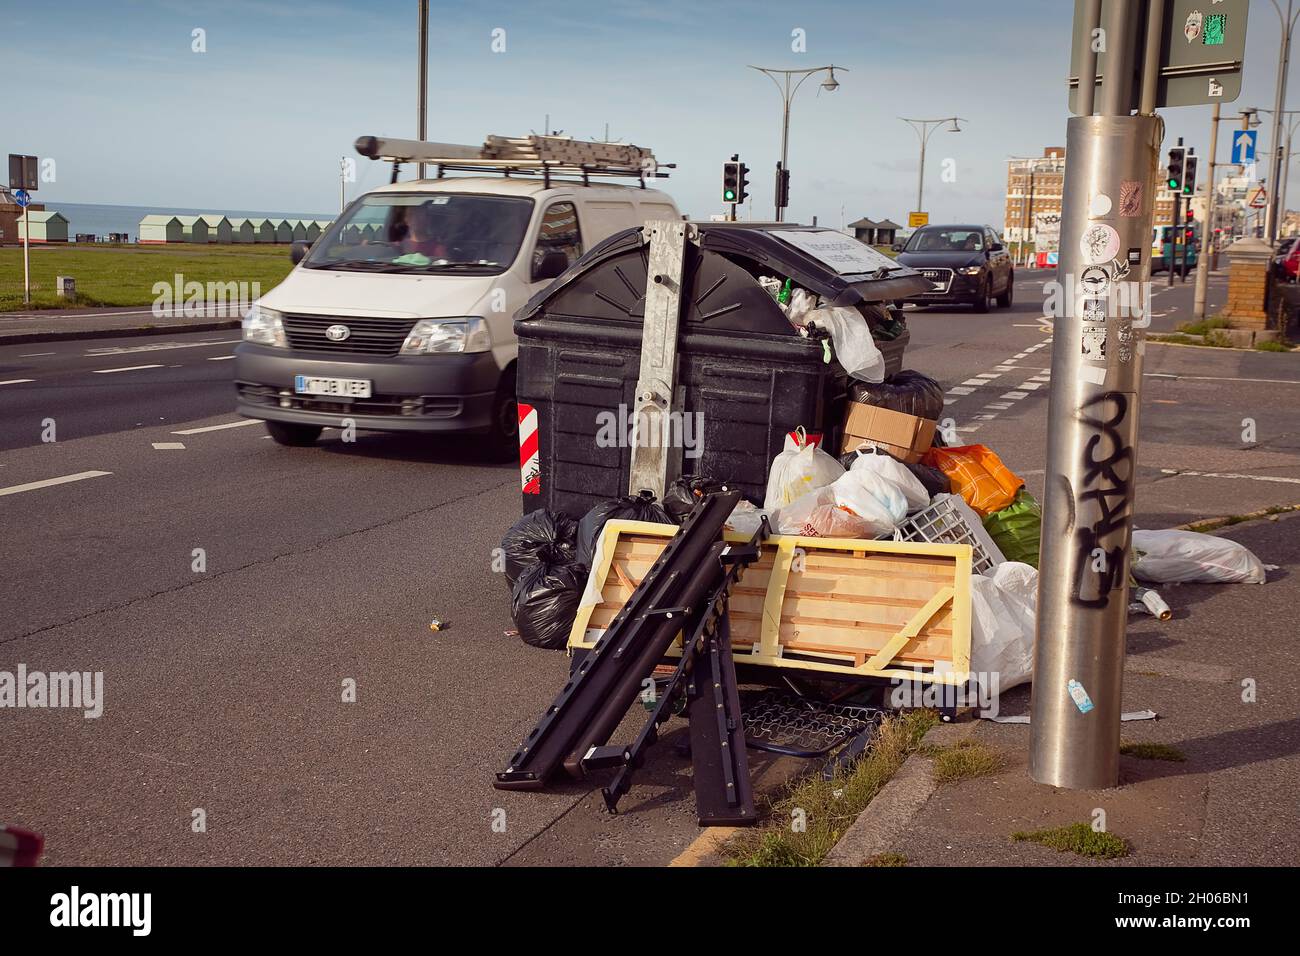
(19, 847)
(530, 461)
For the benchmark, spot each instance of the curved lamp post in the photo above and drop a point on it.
(924, 128)
(830, 85)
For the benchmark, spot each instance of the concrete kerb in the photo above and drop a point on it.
(21, 338)
(886, 818)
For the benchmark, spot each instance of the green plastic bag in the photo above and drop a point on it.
(1017, 528)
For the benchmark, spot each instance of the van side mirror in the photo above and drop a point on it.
(552, 264)
(298, 251)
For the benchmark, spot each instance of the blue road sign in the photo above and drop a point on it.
(1243, 145)
(22, 197)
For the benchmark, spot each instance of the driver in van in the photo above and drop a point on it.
(421, 234)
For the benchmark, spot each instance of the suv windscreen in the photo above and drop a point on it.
(946, 240)
(425, 233)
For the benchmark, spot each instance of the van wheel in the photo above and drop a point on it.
(503, 440)
(288, 433)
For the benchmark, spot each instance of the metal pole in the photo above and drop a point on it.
(1279, 104)
(1092, 433)
(1088, 58)
(27, 238)
(920, 179)
(422, 108)
(1173, 239)
(1207, 231)
(1151, 58)
(785, 144)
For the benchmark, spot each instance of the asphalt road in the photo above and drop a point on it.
(323, 566)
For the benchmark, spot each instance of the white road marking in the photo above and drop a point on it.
(1215, 378)
(1015, 396)
(168, 446)
(216, 428)
(1000, 406)
(959, 390)
(1030, 385)
(975, 381)
(129, 368)
(17, 381)
(220, 358)
(35, 354)
(1178, 472)
(33, 485)
(159, 347)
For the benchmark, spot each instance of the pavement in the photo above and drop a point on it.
(235, 594)
(51, 325)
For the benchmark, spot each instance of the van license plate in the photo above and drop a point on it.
(347, 387)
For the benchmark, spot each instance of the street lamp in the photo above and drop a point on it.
(830, 85)
(1287, 23)
(1283, 172)
(924, 130)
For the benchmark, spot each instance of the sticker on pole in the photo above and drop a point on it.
(1079, 696)
(1094, 281)
(1192, 28)
(1093, 343)
(1099, 244)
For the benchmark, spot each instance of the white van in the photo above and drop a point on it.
(400, 318)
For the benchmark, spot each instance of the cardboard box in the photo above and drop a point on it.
(903, 436)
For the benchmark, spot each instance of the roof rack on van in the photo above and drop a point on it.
(546, 155)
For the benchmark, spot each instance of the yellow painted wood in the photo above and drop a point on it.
(913, 627)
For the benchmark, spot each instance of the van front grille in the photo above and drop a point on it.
(366, 336)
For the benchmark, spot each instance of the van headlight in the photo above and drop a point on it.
(264, 327)
(469, 334)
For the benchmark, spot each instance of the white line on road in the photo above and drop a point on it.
(1227, 378)
(17, 381)
(129, 368)
(168, 446)
(33, 485)
(220, 358)
(35, 354)
(160, 347)
(215, 428)
(1178, 472)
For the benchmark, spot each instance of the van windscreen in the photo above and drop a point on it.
(425, 233)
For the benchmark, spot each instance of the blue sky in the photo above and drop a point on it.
(131, 115)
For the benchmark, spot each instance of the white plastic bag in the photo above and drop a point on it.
(892, 470)
(1168, 557)
(855, 349)
(802, 467)
(844, 509)
(745, 518)
(876, 498)
(1003, 610)
(802, 302)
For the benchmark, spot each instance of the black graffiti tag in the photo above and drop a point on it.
(1107, 482)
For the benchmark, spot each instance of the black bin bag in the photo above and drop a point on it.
(544, 603)
(539, 536)
(640, 507)
(907, 391)
(686, 492)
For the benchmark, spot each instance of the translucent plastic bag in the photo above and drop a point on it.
(844, 509)
(855, 349)
(802, 467)
(890, 469)
(1168, 557)
(978, 475)
(1002, 624)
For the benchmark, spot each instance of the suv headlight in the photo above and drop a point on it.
(263, 326)
(469, 334)
(971, 270)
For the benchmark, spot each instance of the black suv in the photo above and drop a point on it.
(967, 264)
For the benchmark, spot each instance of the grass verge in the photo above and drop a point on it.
(1213, 524)
(965, 759)
(1077, 838)
(807, 819)
(125, 275)
(1152, 752)
(887, 859)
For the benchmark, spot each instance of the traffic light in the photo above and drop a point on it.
(743, 175)
(1174, 172)
(731, 182)
(782, 187)
(1189, 175)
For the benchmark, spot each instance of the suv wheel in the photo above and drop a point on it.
(981, 302)
(1009, 293)
(289, 433)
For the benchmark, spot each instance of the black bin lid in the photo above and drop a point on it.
(829, 264)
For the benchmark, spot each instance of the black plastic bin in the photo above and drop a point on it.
(745, 375)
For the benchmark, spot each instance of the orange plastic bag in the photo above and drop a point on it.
(978, 475)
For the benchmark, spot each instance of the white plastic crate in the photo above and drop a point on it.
(949, 520)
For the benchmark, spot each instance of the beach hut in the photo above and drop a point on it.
(158, 229)
(324, 224)
(243, 230)
(46, 226)
(283, 230)
(299, 227)
(263, 230)
(219, 228)
(193, 229)
(313, 230)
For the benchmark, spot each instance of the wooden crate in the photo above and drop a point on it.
(891, 609)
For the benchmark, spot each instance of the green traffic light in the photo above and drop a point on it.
(1173, 184)
(729, 195)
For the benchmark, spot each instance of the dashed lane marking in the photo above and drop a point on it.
(216, 428)
(129, 368)
(220, 358)
(17, 381)
(168, 446)
(49, 482)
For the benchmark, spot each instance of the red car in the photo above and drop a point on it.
(1288, 260)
